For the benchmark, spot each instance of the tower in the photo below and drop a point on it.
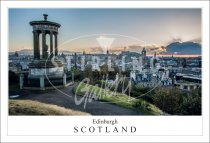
(44, 64)
(143, 54)
(107, 51)
(155, 54)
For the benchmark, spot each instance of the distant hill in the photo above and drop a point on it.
(25, 52)
(66, 52)
(30, 52)
(183, 48)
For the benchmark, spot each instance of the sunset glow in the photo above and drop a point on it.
(154, 26)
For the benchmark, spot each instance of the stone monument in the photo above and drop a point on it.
(46, 66)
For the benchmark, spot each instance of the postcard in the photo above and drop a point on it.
(106, 71)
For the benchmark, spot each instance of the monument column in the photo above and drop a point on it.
(21, 81)
(56, 48)
(43, 44)
(36, 45)
(51, 44)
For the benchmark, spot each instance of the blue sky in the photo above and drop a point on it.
(155, 26)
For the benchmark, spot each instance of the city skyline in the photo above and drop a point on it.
(157, 27)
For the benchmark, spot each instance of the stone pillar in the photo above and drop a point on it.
(51, 44)
(68, 59)
(36, 45)
(42, 84)
(181, 86)
(43, 44)
(21, 81)
(64, 79)
(56, 44)
(188, 87)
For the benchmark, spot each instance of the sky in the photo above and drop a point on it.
(153, 26)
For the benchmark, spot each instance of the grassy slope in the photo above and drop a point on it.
(118, 99)
(29, 107)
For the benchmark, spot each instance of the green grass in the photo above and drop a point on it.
(29, 107)
(117, 98)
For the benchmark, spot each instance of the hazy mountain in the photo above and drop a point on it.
(183, 48)
(25, 52)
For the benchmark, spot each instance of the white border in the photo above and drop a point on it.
(176, 127)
